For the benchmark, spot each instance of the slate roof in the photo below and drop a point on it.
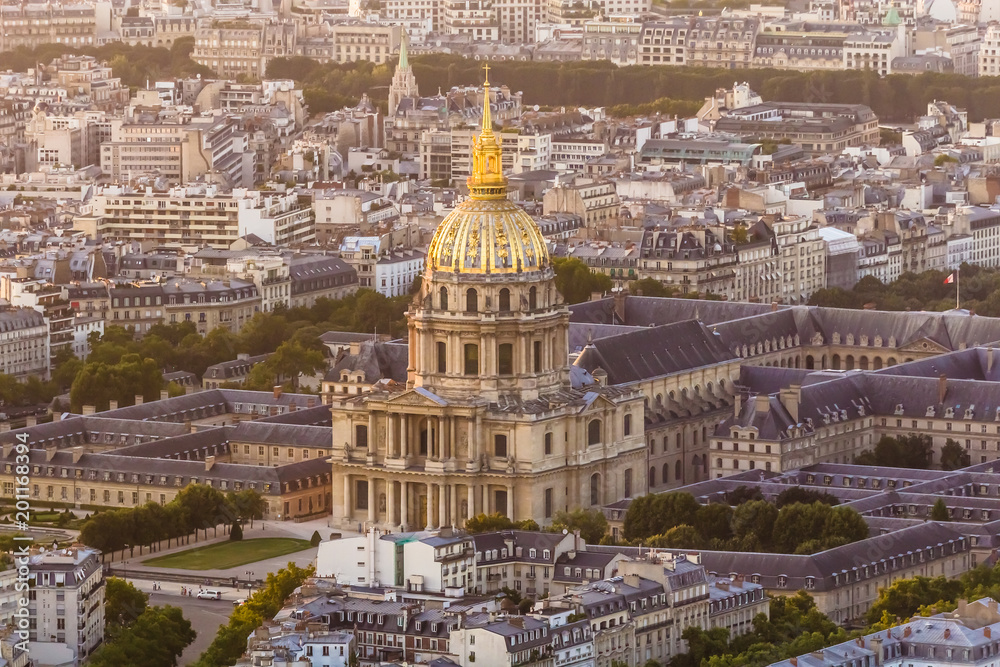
(376, 359)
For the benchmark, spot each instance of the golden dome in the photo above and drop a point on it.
(487, 233)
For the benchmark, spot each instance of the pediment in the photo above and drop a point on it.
(924, 346)
(418, 397)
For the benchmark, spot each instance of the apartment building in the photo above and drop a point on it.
(818, 128)
(802, 254)
(595, 201)
(319, 277)
(722, 42)
(42, 296)
(616, 39)
(475, 18)
(66, 599)
(24, 343)
(417, 18)
(518, 19)
(137, 306)
(360, 41)
(663, 42)
(241, 47)
(196, 216)
(210, 304)
(29, 26)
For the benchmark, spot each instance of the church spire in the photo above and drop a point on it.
(487, 180)
(404, 84)
(404, 61)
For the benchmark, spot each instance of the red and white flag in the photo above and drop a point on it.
(950, 279)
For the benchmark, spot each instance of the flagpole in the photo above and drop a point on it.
(958, 287)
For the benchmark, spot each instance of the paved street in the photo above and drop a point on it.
(206, 616)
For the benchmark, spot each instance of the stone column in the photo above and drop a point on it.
(451, 437)
(510, 501)
(486, 499)
(390, 435)
(430, 505)
(372, 446)
(404, 439)
(390, 503)
(442, 505)
(371, 500)
(348, 508)
(470, 494)
(439, 431)
(403, 509)
(453, 504)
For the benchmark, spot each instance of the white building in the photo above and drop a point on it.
(395, 271)
(24, 343)
(959, 251)
(82, 328)
(66, 603)
(420, 562)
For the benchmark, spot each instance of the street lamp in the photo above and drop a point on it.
(249, 574)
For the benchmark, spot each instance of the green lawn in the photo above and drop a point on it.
(225, 555)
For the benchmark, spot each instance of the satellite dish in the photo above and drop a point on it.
(536, 107)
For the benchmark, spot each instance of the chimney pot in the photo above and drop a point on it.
(138, 399)
(113, 404)
(277, 391)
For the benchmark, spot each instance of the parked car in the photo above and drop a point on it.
(237, 603)
(209, 594)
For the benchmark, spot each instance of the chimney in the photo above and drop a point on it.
(774, 306)
(209, 462)
(277, 391)
(77, 454)
(737, 403)
(292, 407)
(310, 402)
(31, 420)
(50, 452)
(794, 661)
(88, 410)
(8, 447)
(164, 394)
(762, 403)
(876, 642)
(113, 404)
(138, 399)
(907, 631)
(942, 387)
(987, 632)
(790, 398)
(947, 633)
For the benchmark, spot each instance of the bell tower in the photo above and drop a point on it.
(404, 84)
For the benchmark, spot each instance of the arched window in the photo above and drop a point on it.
(442, 356)
(505, 359)
(444, 298)
(472, 301)
(505, 300)
(678, 471)
(532, 298)
(594, 432)
(628, 483)
(471, 359)
(627, 425)
(595, 489)
(665, 473)
(652, 477)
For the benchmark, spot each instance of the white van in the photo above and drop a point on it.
(209, 594)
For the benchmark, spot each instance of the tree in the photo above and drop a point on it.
(591, 523)
(576, 282)
(289, 361)
(248, 504)
(713, 521)
(743, 494)
(231, 640)
(798, 494)
(906, 451)
(123, 604)
(905, 597)
(678, 537)
(236, 532)
(954, 456)
(156, 639)
(488, 523)
(753, 523)
(315, 539)
(940, 511)
(204, 506)
(98, 383)
(655, 514)
(651, 287)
